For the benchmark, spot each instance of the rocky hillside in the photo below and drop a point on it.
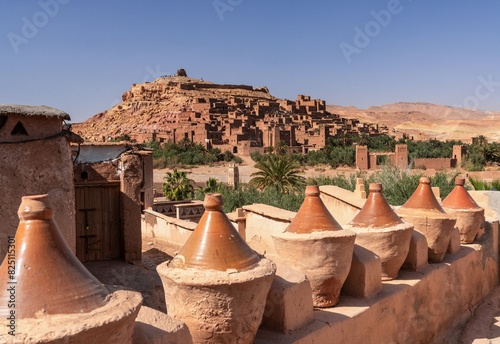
(152, 104)
(426, 120)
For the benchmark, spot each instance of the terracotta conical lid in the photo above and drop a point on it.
(423, 198)
(313, 215)
(376, 213)
(459, 198)
(48, 277)
(215, 244)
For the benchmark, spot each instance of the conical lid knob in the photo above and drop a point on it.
(459, 198)
(423, 198)
(313, 215)
(48, 278)
(376, 213)
(215, 244)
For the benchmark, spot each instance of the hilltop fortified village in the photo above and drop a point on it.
(238, 118)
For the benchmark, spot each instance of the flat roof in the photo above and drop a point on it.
(33, 110)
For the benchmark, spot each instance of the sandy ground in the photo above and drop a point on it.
(141, 277)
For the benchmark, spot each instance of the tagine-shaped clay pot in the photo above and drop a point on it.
(428, 217)
(53, 296)
(381, 231)
(217, 284)
(470, 216)
(315, 244)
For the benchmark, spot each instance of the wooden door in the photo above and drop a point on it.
(98, 225)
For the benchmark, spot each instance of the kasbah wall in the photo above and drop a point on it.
(36, 167)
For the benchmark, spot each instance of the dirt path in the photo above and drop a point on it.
(141, 277)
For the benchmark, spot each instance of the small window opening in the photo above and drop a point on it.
(19, 129)
(3, 120)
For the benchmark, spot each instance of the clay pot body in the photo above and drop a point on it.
(217, 284)
(56, 299)
(316, 245)
(381, 231)
(470, 216)
(218, 306)
(428, 217)
(324, 257)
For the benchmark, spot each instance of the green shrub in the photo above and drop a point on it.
(186, 153)
(482, 185)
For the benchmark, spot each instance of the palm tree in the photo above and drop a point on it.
(481, 140)
(279, 172)
(177, 185)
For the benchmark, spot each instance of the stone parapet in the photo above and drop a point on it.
(154, 327)
(415, 308)
(289, 304)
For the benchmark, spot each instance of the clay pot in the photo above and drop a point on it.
(470, 216)
(50, 279)
(56, 298)
(428, 217)
(313, 216)
(380, 230)
(217, 284)
(316, 245)
(215, 244)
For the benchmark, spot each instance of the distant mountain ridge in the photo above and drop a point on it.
(427, 120)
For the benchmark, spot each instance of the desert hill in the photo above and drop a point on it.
(152, 105)
(426, 120)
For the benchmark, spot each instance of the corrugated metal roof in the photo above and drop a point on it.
(93, 153)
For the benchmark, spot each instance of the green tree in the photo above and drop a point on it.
(279, 172)
(177, 186)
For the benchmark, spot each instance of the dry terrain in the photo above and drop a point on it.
(428, 121)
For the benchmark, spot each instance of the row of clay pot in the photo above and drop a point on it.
(315, 244)
(218, 285)
(430, 218)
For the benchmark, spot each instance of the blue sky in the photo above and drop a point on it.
(81, 56)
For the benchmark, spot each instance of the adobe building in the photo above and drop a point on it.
(243, 125)
(35, 158)
(113, 185)
(369, 161)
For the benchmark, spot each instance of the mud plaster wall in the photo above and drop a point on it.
(36, 126)
(130, 205)
(157, 226)
(148, 179)
(35, 168)
(344, 205)
(106, 171)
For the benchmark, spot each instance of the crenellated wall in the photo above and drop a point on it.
(435, 163)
